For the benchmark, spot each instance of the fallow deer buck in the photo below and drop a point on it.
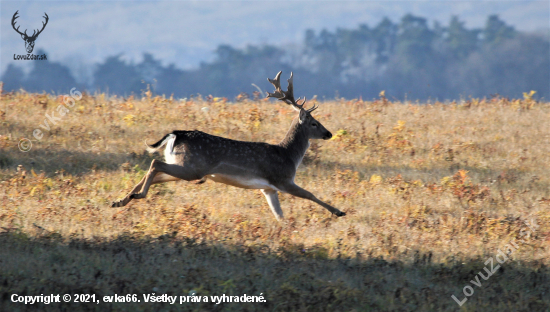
(195, 155)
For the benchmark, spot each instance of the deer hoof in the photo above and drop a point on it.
(340, 214)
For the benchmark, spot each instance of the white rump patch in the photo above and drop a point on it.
(169, 152)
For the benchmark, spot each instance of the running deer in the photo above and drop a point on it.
(195, 155)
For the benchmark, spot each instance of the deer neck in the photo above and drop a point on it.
(296, 142)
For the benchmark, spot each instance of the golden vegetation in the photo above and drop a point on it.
(431, 191)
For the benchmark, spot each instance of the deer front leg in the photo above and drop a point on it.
(273, 200)
(297, 191)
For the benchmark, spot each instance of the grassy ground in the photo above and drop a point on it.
(431, 192)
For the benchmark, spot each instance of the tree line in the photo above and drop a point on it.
(409, 60)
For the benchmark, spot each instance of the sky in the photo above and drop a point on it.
(185, 33)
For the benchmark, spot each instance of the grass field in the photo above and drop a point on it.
(432, 192)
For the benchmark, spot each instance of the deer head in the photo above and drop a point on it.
(29, 40)
(314, 129)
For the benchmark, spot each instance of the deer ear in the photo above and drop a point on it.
(303, 116)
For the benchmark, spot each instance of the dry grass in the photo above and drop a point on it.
(431, 191)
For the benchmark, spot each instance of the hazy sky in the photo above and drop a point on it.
(186, 32)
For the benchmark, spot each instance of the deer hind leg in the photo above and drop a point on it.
(127, 198)
(159, 172)
(297, 191)
(273, 200)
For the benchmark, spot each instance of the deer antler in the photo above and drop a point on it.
(34, 33)
(287, 96)
(43, 26)
(13, 24)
